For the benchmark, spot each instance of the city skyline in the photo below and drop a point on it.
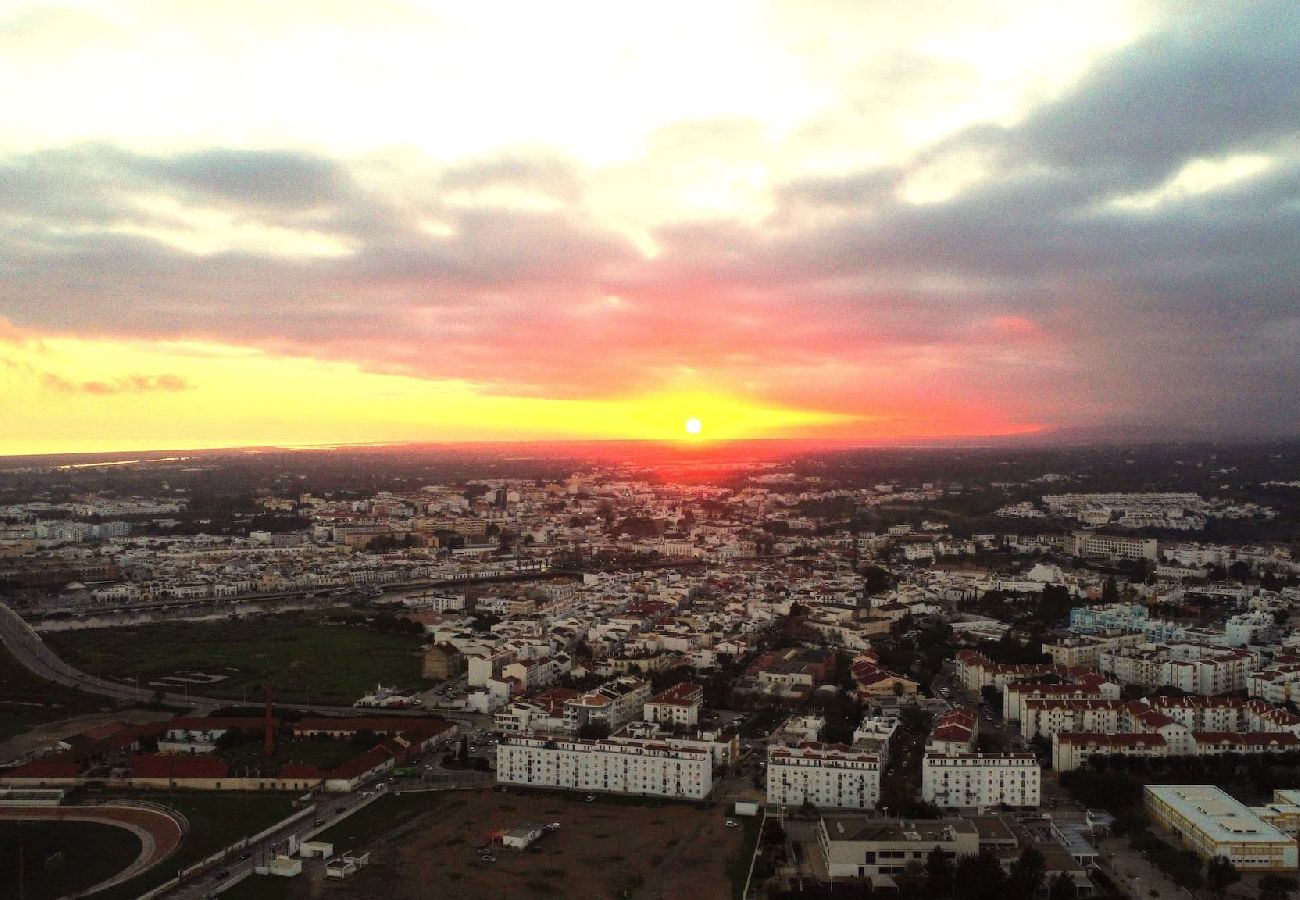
(314, 223)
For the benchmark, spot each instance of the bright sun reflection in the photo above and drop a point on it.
(694, 426)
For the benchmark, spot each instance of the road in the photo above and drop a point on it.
(240, 860)
(36, 656)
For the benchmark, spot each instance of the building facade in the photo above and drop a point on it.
(829, 776)
(981, 780)
(614, 765)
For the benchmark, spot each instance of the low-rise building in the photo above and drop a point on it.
(1212, 823)
(880, 849)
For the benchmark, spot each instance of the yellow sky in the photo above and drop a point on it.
(77, 395)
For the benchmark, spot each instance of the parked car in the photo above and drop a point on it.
(732, 823)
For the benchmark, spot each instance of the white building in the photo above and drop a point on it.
(879, 849)
(615, 765)
(980, 780)
(824, 775)
(614, 703)
(678, 705)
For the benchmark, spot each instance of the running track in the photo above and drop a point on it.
(158, 832)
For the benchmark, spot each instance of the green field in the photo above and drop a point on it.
(27, 701)
(382, 816)
(306, 660)
(91, 853)
(217, 820)
(261, 887)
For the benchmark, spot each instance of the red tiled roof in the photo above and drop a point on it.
(301, 770)
(51, 767)
(173, 765)
(1111, 740)
(360, 765)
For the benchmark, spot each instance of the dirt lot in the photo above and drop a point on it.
(612, 847)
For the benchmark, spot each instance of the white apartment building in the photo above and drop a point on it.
(824, 775)
(1112, 547)
(678, 705)
(1071, 749)
(615, 765)
(1050, 715)
(1194, 668)
(1085, 650)
(614, 703)
(1275, 685)
(980, 780)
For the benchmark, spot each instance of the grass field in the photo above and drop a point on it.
(27, 701)
(260, 887)
(306, 660)
(217, 819)
(91, 853)
(389, 812)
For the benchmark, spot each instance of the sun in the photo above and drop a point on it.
(694, 426)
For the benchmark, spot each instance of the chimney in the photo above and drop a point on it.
(268, 735)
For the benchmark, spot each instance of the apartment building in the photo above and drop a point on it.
(1050, 715)
(1085, 649)
(953, 732)
(981, 780)
(615, 765)
(1109, 546)
(1090, 687)
(1194, 668)
(825, 775)
(542, 713)
(1212, 823)
(1277, 684)
(1071, 750)
(679, 705)
(614, 703)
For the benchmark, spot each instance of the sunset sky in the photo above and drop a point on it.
(314, 221)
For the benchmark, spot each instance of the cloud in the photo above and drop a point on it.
(126, 384)
(985, 275)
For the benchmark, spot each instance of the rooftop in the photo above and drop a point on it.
(1219, 815)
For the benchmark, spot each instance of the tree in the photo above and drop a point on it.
(463, 755)
(1062, 888)
(980, 877)
(594, 731)
(1027, 874)
(1276, 887)
(1220, 873)
(1110, 590)
(940, 874)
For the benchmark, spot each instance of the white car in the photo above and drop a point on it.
(732, 823)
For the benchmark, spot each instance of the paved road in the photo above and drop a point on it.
(240, 861)
(36, 656)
